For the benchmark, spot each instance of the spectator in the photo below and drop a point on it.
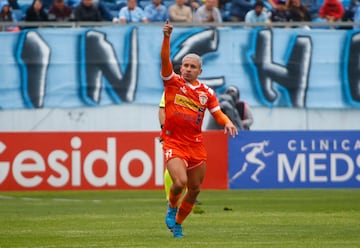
(331, 11)
(257, 14)
(280, 13)
(208, 12)
(228, 106)
(59, 11)
(242, 107)
(6, 15)
(156, 12)
(99, 4)
(36, 12)
(87, 11)
(179, 12)
(132, 13)
(239, 8)
(298, 12)
(238, 111)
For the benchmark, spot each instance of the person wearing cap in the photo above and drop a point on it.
(257, 14)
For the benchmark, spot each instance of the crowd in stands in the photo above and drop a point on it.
(189, 11)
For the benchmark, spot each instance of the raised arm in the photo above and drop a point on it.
(166, 65)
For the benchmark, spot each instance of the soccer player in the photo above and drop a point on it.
(167, 178)
(186, 100)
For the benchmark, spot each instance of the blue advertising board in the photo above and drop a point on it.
(294, 159)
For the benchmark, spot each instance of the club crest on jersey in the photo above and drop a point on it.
(203, 99)
(183, 89)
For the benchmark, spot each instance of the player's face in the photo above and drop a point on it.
(190, 69)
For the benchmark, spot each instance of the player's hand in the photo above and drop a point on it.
(167, 29)
(230, 129)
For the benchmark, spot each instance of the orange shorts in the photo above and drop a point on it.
(192, 154)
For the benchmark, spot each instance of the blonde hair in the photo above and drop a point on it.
(193, 56)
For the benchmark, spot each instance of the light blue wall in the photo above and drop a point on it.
(66, 68)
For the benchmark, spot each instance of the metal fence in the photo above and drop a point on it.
(309, 25)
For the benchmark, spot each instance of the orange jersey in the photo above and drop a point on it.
(185, 106)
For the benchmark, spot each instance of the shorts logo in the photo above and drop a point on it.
(186, 102)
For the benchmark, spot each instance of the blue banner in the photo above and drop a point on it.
(293, 159)
(77, 67)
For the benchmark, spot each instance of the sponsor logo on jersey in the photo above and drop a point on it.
(186, 102)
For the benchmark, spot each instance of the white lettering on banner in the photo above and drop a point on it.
(124, 168)
(109, 157)
(284, 166)
(53, 161)
(31, 161)
(76, 161)
(357, 145)
(323, 145)
(4, 166)
(20, 166)
(317, 167)
(350, 167)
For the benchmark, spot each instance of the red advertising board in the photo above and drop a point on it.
(96, 160)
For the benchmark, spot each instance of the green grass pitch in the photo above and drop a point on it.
(229, 218)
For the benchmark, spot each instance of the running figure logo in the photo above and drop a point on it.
(252, 158)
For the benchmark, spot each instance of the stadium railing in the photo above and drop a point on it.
(310, 25)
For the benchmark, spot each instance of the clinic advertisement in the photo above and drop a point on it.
(96, 160)
(294, 159)
(120, 64)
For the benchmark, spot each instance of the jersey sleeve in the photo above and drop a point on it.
(213, 101)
